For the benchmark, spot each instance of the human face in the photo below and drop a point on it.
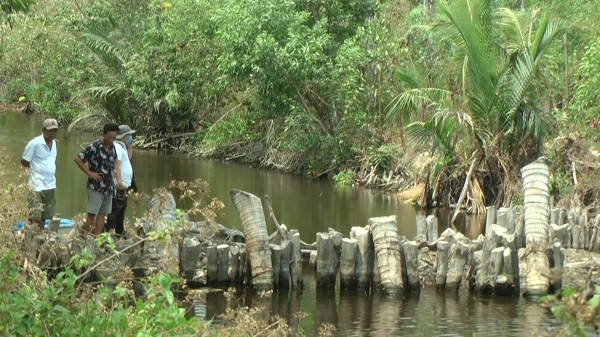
(49, 135)
(127, 139)
(109, 137)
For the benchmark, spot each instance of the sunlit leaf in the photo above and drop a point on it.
(164, 281)
(594, 301)
(568, 292)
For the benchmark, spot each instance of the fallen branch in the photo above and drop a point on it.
(179, 135)
(464, 190)
(280, 230)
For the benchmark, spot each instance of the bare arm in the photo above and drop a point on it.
(25, 163)
(82, 167)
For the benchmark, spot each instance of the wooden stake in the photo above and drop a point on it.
(284, 271)
(456, 266)
(364, 258)
(511, 220)
(558, 261)
(212, 265)
(188, 257)
(234, 265)
(223, 265)
(557, 233)
(520, 231)
(54, 224)
(276, 261)
(313, 259)
(501, 218)
(348, 264)
(422, 226)
(243, 268)
(442, 264)
(296, 267)
(585, 234)
(554, 216)
(411, 256)
(575, 230)
(432, 228)
(490, 218)
(326, 272)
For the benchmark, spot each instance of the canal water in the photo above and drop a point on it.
(310, 206)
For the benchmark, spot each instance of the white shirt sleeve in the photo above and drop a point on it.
(29, 151)
(121, 153)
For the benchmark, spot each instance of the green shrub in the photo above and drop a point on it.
(345, 178)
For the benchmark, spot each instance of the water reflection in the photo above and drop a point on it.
(428, 313)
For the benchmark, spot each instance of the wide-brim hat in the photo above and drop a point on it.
(124, 130)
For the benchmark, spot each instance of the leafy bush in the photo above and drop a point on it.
(579, 310)
(62, 307)
(344, 178)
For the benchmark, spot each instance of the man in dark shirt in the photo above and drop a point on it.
(101, 157)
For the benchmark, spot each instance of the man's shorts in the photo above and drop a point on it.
(42, 205)
(99, 203)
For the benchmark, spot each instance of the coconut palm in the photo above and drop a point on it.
(492, 117)
(113, 99)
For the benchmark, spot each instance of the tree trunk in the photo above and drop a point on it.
(536, 178)
(387, 249)
(253, 221)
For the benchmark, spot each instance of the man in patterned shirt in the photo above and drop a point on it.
(101, 157)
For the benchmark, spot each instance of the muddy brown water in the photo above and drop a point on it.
(310, 206)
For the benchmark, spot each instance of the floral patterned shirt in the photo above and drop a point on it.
(100, 161)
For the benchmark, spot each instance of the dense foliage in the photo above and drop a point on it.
(351, 90)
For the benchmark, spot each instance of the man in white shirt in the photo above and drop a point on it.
(40, 157)
(123, 146)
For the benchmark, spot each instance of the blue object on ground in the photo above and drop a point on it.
(64, 223)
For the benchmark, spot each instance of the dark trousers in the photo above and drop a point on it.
(115, 220)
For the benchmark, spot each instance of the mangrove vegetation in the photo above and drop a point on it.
(448, 98)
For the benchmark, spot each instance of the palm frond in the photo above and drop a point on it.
(409, 79)
(515, 27)
(526, 63)
(411, 100)
(536, 122)
(86, 116)
(546, 32)
(107, 48)
(471, 19)
(115, 100)
(439, 130)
